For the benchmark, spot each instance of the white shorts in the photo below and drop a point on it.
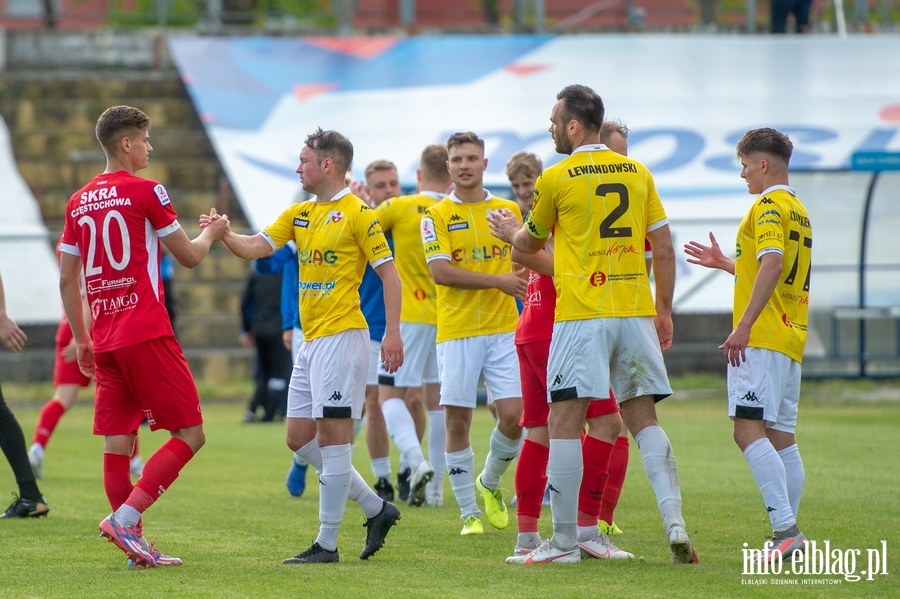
(765, 387)
(419, 357)
(296, 344)
(590, 357)
(374, 362)
(329, 377)
(461, 361)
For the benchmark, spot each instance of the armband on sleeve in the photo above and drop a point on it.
(537, 230)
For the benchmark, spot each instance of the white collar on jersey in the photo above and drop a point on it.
(337, 196)
(487, 197)
(589, 148)
(787, 188)
(433, 194)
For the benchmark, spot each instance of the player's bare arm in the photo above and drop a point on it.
(734, 348)
(507, 227)
(446, 274)
(392, 344)
(70, 290)
(11, 335)
(248, 247)
(190, 253)
(710, 256)
(541, 262)
(664, 277)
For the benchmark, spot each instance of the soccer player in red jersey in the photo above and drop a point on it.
(112, 235)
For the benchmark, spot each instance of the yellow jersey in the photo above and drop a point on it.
(777, 222)
(334, 241)
(458, 232)
(403, 217)
(601, 204)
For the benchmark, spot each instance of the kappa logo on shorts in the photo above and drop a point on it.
(751, 397)
(557, 380)
(552, 488)
(148, 416)
(336, 396)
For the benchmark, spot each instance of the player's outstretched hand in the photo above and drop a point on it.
(218, 225)
(504, 224)
(86, 359)
(513, 284)
(392, 352)
(206, 219)
(11, 335)
(710, 256)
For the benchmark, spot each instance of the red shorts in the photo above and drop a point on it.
(533, 376)
(148, 380)
(66, 373)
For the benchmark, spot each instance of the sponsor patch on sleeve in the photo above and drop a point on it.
(428, 234)
(162, 194)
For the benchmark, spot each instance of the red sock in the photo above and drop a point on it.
(618, 464)
(160, 472)
(531, 480)
(596, 470)
(117, 479)
(49, 418)
(135, 452)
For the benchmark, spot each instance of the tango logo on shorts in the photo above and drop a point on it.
(148, 416)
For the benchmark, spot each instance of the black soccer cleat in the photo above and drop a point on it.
(379, 526)
(384, 489)
(403, 484)
(26, 508)
(314, 555)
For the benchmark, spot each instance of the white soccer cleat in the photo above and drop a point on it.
(600, 547)
(418, 483)
(683, 551)
(547, 553)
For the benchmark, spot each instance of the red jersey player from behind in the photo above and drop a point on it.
(113, 229)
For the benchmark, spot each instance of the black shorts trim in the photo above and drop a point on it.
(564, 394)
(332, 412)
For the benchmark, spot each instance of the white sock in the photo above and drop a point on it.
(768, 470)
(564, 470)
(363, 495)
(586, 532)
(381, 467)
(38, 449)
(503, 451)
(461, 470)
(795, 475)
(299, 460)
(334, 487)
(437, 441)
(127, 515)
(311, 454)
(404, 465)
(659, 463)
(402, 429)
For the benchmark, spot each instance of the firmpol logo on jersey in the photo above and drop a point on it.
(96, 286)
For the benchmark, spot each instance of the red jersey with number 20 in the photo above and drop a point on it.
(114, 224)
